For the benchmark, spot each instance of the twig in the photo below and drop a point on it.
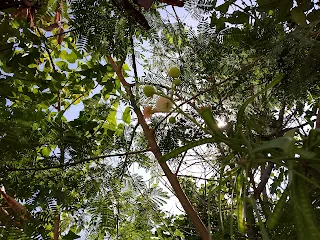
(134, 60)
(47, 50)
(251, 179)
(178, 168)
(201, 178)
(71, 30)
(128, 149)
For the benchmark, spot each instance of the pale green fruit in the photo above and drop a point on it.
(174, 72)
(172, 120)
(149, 91)
(177, 81)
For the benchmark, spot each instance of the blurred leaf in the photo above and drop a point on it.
(298, 16)
(284, 143)
(126, 116)
(70, 236)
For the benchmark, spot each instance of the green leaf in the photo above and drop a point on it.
(285, 6)
(249, 100)
(224, 7)
(240, 203)
(263, 230)
(238, 18)
(70, 236)
(108, 86)
(298, 16)
(305, 153)
(267, 4)
(46, 151)
(125, 67)
(63, 55)
(32, 65)
(284, 143)
(72, 57)
(214, 19)
(62, 65)
(186, 147)
(111, 119)
(290, 133)
(126, 116)
(207, 116)
(273, 218)
(221, 24)
(314, 15)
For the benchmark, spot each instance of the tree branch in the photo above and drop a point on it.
(264, 179)
(128, 149)
(70, 164)
(149, 134)
(178, 168)
(318, 117)
(201, 178)
(57, 227)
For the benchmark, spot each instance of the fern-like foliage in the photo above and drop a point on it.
(100, 25)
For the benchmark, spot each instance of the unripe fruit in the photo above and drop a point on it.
(174, 72)
(163, 105)
(172, 120)
(149, 91)
(177, 81)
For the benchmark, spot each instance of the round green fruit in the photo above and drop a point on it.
(177, 81)
(149, 91)
(172, 120)
(174, 72)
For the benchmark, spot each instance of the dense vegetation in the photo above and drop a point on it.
(226, 115)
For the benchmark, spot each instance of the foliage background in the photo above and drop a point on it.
(255, 65)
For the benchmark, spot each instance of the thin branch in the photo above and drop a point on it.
(290, 116)
(201, 178)
(176, 15)
(318, 117)
(264, 179)
(128, 149)
(281, 114)
(178, 168)
(251, 179)
(47, 50)
(299, 126)
(71, 30)
(70, 164)
(134, 60)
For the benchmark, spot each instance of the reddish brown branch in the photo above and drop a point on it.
(57, 227)
(172, 178)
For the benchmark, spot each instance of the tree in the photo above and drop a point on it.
(61, 170)
(258, 74)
